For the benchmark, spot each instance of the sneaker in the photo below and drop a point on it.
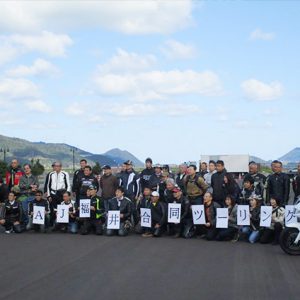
(8, 231)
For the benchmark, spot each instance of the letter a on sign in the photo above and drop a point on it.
(62, 214)
(38, 215)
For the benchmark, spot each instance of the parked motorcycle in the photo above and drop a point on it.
(290, 236)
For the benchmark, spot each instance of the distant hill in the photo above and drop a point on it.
(291, 157)
(120, 156)
(257, 159)
(25, 150)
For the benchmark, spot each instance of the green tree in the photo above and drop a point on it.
(3, 168)
(37, 168)
(97, 169)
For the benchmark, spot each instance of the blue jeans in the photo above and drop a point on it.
(25, 207)
(72, 227)
(253, 235)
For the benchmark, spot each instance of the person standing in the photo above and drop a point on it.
(209, 174)
(108, 184)
(28, 186)
(296, 183)
(78, 174)
(58, 183)
(13, 174)
(217, 183)
(195, 186)
(278, 184)
(146, 174)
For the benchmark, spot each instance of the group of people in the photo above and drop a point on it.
(154, 188)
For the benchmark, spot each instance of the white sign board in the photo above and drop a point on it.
(198, 214)
(113, 219)
(243, 215)
(222, 218)
(145, 217)
(62, 215)
(85, 208)
(38, 215)
(289, 213)
(265, 216)
(174, 213)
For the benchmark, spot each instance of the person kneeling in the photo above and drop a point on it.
(72, 226)
(158, 217)
(272, 234)
(231, 232)
(209, 230)
(97, 218)
(38, 201)
(124, 205)
(12, 214)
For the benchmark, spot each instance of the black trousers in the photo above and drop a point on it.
(88, 225)
(271, 235)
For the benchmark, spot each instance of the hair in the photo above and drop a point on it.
(277, 162)
(220, 162)
(147, 187)
(171, 181)
(209, 194)
(83, 160)
(212, 162)
(276, 199)
(88, 167)
(231, 199)
(67, 192)
(14, 193)
(29, 165)
(121, 189)
(193, 166)
(39, 192)
(204, 163)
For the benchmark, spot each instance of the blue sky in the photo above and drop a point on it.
(166, 79)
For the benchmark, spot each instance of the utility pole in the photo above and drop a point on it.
(4, 150)
(73, 149)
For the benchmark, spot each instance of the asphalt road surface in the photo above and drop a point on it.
(63, 266)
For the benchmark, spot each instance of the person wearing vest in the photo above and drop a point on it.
(195, 186)
(97, 218)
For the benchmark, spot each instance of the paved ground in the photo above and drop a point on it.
(62, 266)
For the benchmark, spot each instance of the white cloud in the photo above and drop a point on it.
(7, 53)
(45, 42)
(258, 34)
(176, 50)
(39, 67)
(38, 105)
(159, 84)
(131, 17)
(127, 62)
(260, 91)
(146, 109)
(18, 89)
(75, 109)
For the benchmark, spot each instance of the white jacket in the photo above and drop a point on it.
(58, 181)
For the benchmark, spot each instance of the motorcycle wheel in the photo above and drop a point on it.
(286, 241)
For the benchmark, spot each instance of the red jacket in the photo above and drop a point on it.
(13, 175)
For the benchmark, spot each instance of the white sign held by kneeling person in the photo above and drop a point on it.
(289, 214)
(38, 215)
(85, 208)
(243, 215)
(174, 213)
(265, 216)
(62, 215)
(222, 218)
(146, 217)
(113, 219)
(198, 214)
